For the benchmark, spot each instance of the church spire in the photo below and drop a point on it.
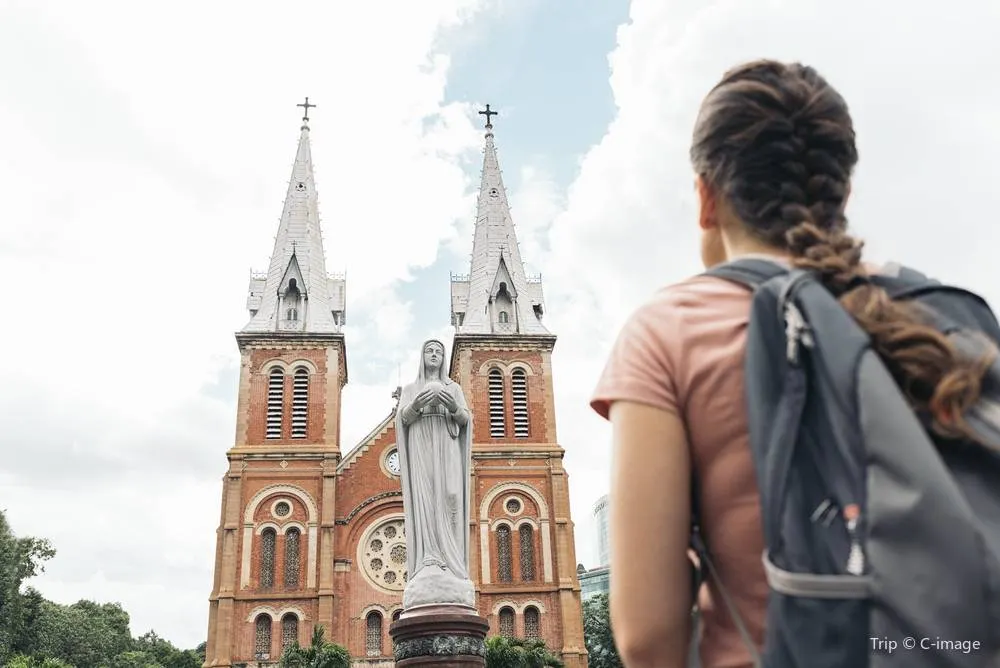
(296, 294)
(497, 297)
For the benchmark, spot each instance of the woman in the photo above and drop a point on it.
(435, 454)
(773, 152)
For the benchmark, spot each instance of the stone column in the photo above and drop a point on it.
(447, 635)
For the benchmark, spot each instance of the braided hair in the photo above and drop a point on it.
(776, 141)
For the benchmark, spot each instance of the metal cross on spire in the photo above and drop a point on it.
(306, 107)
(488, 113)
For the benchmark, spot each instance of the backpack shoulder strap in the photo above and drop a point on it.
(960, 308)
(750, 272)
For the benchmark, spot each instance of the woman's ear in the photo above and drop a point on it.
(707, 206)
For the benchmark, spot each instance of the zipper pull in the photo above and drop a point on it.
(856, 557)
(796, 332)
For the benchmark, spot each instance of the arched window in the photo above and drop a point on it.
(289, 630)
(275, 402)
(526, 538)
(532, 630)
(293, 540)
(507, 622)
(396, 614)
(504, 568)
(292, 314)
(268, 538)
(519, 392)
(498, 427)
(503, 318)
(300, 403)
(373, 634)
(262, 637)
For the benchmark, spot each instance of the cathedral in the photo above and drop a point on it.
(311, 530)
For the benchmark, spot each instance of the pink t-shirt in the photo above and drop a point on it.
(683, 351)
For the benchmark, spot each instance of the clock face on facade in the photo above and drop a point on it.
(392, 462)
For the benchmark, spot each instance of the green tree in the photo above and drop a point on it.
(165, 653)
(85, 633)
(134, 659)
(597, 635)
(319, 654)
(504, 652)
(24, 661)
(20, 559)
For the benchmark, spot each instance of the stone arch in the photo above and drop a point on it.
(266, 367)
(526, 520)
(532, 603)
(267, 525)
(485, 367)
(263, 610)
(505, 603)
(524, 366)
(291, 490)
(542, 527)
(310, 367)
(501, 521)
(374, 607)
(528, 490)
(293, 609)
(311, 533)
(292, 525)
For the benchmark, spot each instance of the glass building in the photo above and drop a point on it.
(601, 521)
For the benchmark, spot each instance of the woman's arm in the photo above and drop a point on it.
(650, 524)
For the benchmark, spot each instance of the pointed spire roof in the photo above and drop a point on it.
(500, 298)
(296, 293)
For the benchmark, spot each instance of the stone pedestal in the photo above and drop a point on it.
(443, 635)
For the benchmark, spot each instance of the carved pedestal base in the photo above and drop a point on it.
(445, 636)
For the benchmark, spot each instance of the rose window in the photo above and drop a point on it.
(382, 554)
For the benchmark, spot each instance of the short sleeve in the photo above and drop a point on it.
(640, 367)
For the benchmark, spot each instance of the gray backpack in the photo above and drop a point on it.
(883, 540)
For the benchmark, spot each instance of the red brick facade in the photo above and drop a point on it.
(347, 506)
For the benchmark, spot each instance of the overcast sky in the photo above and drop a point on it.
(145, 150)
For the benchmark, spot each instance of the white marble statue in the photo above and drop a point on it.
(434, 440)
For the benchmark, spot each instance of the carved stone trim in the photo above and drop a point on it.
(364, 504)
(445, 644)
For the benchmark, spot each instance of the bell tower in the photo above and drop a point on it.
(274, 557)
(523, 555)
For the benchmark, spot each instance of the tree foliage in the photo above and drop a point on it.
(504, 652)
(319, 654)
(20, 559)
(597, 635)
(36, 633)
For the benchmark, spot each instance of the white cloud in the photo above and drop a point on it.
(915, 76)
(145, 157)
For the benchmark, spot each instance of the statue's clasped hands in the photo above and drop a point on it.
(438, 394)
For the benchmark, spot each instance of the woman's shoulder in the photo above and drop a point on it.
(695, 299)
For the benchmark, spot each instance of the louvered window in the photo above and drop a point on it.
(519, 390)
(300, 403)
(275, 402)
(498, 427)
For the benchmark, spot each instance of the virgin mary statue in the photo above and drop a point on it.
(433, 437)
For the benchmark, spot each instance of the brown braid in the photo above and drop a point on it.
(777, 142)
